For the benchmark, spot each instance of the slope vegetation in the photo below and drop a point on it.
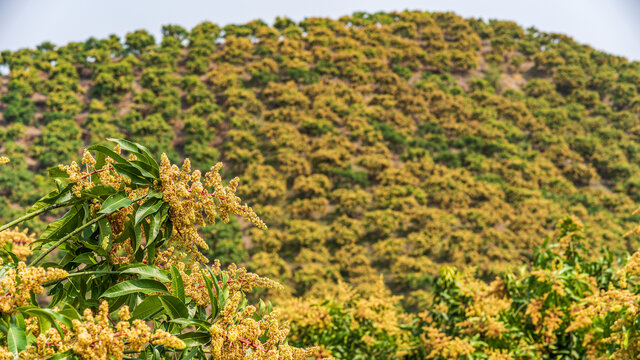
(387, 143)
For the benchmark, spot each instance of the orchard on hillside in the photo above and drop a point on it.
(388, 143)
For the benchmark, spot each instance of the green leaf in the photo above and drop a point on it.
(93, 246)
(137, 149)
(144, 286)
(99, 191)
(145, 169)
(177, 283)
(56, 173)
(137, 236)
(148, 271)
(132, 173)
(195, 338)
(108, 152)
(155, 194)
(105, 234)
(51, 316)
(192, 353)
(115, 202)
(8, 253)
(193, 322)
(64, 225)
(16, 340)
(62, 356)
(212, 298)
(85, 258)
(151, 252)
(70, 312)
(149, 207)
(156, 222)
(147, 307)
(52, 198)
(175, 308)
(216, 283)
(221, 293)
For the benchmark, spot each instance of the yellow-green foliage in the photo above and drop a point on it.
(560, 306)
(388, 143)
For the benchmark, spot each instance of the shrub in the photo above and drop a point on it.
(18, 108)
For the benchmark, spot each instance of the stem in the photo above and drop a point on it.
(30, 216)
(98, 272)
(65, 238)
(69, 235)
(81, 273)
(94, 172)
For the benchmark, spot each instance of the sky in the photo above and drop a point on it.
(609, 25)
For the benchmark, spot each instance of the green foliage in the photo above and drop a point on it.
(116, 244)
(445, 141)
(18, 109)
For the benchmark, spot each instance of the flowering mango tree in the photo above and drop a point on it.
(120, 274)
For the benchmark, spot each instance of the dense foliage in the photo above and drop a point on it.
(378, 149)
(561, 306)
(129, 245)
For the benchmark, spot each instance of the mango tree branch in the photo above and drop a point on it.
(82, 273)
(74, 232)
(65, 238)
(30, 216)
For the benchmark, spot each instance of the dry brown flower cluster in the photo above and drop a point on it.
(18, 283)
(97, 338)
(19, 240)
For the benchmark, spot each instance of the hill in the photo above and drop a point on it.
(387, 143)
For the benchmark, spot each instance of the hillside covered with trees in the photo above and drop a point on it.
(382, 151)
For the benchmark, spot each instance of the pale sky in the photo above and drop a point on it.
(609, 25)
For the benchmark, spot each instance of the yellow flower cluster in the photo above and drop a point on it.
(4, 160)
(121, 252)
(440, 345)
(372, 312)
(237, 335)
(624, 306)
(19, 240)
(18, 283)
(631, 269)
(636, 229)
(194, 278)
(193, 198)
(601, 303)
(482, 314)
(96, 338)
(306, 313)
(108, 176)
(5, 354)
